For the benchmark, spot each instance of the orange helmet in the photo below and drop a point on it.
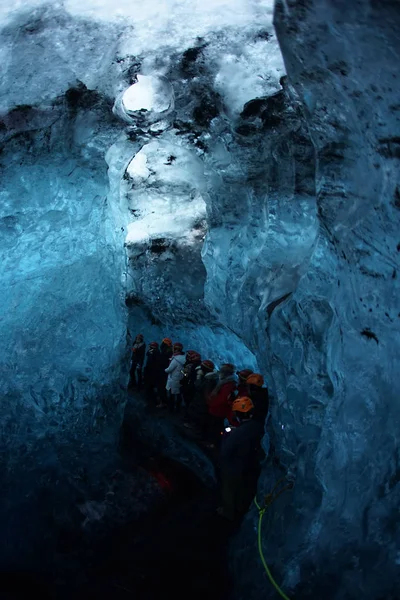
(208, 364)
(167, 342)
(243, 405)
(194, 357)
(244, 374)
(255, 379)
(153, 345)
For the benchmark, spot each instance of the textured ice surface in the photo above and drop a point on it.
(62, 313)
(104, 201)
(165, 182)
(58, 264)
(253, 222)
(153, 32)
(246, 71)
(333, 345)
(162, 193)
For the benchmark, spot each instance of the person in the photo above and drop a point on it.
(193, 361)
(242, 389)
(174, 372)
(165, 359)
(240, 461)
(152, 371)
(259, 396)
(138, 354)
(197, 414)
(220, 402)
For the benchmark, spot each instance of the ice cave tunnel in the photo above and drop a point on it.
(224, 173)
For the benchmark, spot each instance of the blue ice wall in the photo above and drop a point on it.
(62, 312)
(334, 341)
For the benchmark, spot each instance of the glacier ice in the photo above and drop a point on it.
(334, 340)
(164, 192)
(247, 71)
(57, 262)
(160, 173)
(103, 213)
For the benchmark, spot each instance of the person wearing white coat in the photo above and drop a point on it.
(174, 372)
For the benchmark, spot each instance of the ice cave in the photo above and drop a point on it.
(224, 173)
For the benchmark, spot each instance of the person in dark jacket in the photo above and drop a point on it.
(220, 402)
(188, 389)
(152, 371)
(165, 359)
(259, 396)
(240, 461)
(138, 354)
(197, 414)
(242, 389)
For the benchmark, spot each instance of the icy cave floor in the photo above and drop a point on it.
(178, 548)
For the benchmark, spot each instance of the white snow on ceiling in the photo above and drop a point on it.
(245, 64)
(159, 22)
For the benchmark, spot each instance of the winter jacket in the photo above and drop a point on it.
(152, 370)
(242, 390)
(260, 399)
(199, 379)
(220, 400)
(204, 384)
(175, 374)
(240, 450)
(210, 382)
(138, 353)
(165, 359)
(189, 375)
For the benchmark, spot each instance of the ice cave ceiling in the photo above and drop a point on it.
(187, 168)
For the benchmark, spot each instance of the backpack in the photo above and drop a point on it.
(187, 374)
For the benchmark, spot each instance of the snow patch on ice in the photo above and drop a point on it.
(166, 220)
(149, 93)
(254, 70)
(242, 51)
(157, 23)
(164, 163)
(137, 168)
(165, 190)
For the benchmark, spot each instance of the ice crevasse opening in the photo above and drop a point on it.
(104, 204)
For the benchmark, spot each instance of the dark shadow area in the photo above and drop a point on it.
(177, 549)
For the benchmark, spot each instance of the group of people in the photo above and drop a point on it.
(224, 408)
